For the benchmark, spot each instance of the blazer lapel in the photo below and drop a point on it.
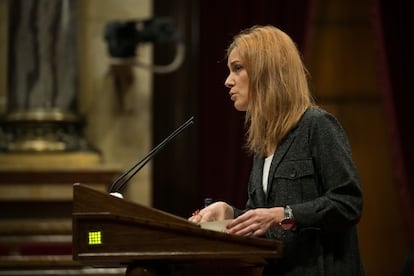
(258, 179)
(280, 152)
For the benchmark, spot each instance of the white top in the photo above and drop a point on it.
(266, 169)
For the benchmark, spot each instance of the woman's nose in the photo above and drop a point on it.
(229, 82)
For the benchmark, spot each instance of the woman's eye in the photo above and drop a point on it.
(237, 68)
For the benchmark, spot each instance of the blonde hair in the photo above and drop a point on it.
(278, 85)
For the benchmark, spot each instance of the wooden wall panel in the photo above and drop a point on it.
(343, 66)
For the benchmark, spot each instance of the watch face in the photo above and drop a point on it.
(286, 224)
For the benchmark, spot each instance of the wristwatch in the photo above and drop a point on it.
(288, 222)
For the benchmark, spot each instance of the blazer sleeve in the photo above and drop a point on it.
(340, 201)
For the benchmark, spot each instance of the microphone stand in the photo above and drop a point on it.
(122, 180)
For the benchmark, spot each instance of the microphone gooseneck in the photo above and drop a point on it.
(119, 184)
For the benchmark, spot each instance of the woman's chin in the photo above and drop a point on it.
(239, 107)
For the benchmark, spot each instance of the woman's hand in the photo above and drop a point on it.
(213, 212)
(256, 222)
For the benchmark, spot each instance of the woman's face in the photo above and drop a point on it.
(237, 81)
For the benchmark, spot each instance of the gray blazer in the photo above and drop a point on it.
(312, 171)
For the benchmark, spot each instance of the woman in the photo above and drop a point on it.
(304, 188)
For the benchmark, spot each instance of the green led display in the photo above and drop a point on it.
(95, 237)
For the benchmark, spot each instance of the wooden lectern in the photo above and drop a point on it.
(112, 232)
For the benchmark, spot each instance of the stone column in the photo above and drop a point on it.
(42, 78)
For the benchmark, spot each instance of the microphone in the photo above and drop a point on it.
(122, 180)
